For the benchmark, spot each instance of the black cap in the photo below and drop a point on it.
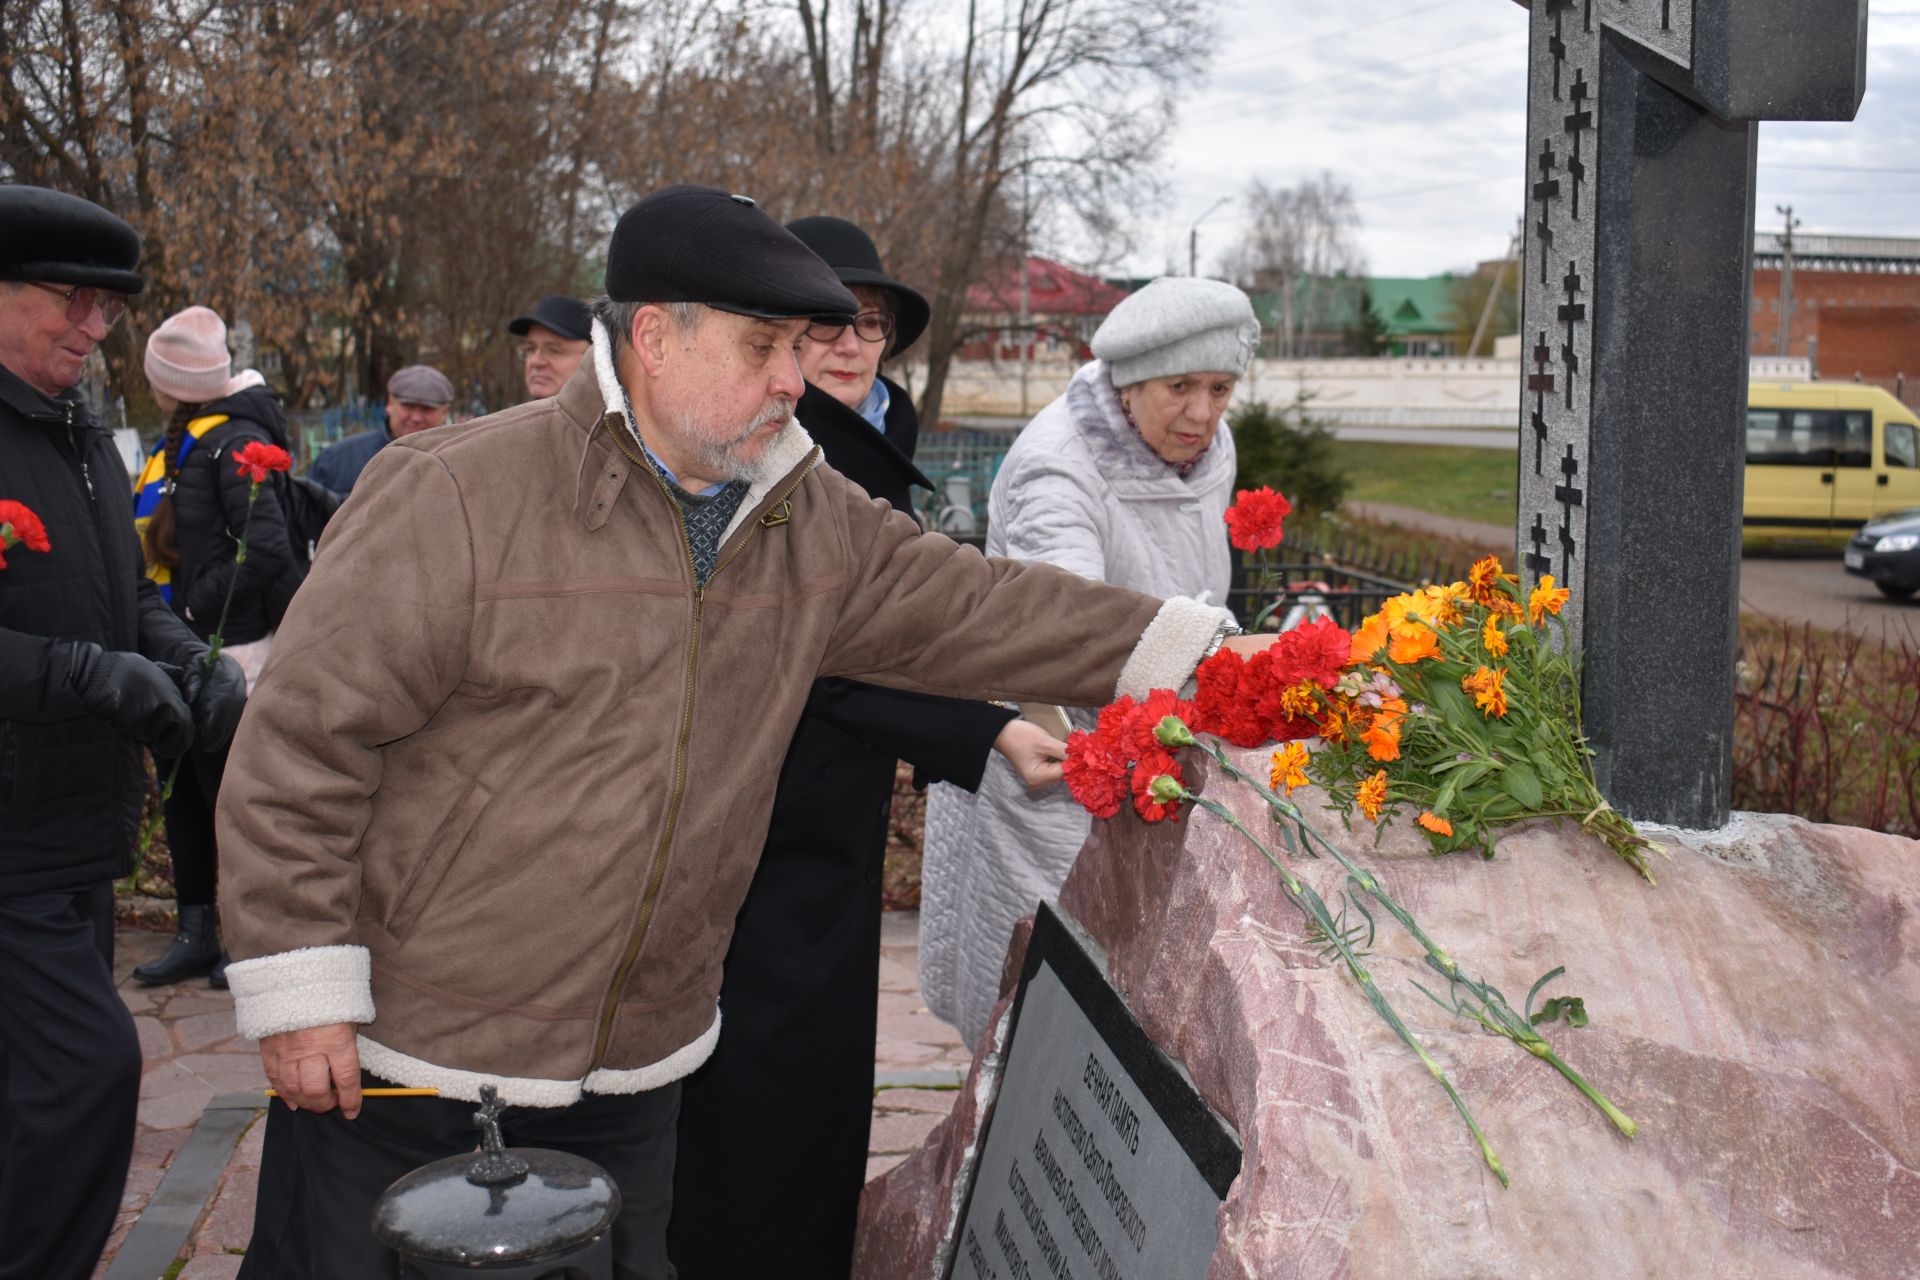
(566, 316)
(851, 254)
(62, 239)
(699, 244)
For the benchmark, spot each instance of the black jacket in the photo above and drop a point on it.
(210, 510)
(777, 1118)
(70, 787)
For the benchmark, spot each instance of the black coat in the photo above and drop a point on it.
(210, 510)
(773, 1129)
(70, 787)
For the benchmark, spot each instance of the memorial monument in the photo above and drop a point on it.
(1758, 1014)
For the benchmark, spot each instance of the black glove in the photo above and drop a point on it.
(135, 696)
(217, 696)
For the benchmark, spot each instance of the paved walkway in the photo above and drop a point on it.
(1807, 587)
(190, 1193)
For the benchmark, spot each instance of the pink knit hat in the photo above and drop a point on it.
(187, 357)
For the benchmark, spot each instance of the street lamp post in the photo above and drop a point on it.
(1193, 235)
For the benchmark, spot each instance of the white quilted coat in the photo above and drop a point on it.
(1080, 490)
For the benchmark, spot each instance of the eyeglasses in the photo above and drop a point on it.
(872, 326)
(82, 299)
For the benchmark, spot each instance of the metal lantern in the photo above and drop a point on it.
(521, 1214)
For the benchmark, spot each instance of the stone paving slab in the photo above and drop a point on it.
(197, 1153)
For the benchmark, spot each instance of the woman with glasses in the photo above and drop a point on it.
(773, 1129)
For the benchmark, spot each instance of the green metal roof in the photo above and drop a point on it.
(1408, 306)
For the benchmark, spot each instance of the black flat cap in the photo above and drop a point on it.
(566, 316)
(62, 239)
(851, 254)
(699, 244)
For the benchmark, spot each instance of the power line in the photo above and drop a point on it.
(1839, 168)
(1256, 56)
(1280, 96)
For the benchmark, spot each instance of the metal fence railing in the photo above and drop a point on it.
(962, 464)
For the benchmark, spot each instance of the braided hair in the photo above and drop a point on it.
(163, 543)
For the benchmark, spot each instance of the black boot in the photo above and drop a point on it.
(194, 951)
(218, 978)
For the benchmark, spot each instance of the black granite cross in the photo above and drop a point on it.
(1577, 122)
(1571, 313)
(1569, 495)
(1540, 382)
(1537, 560)
(1647, 111)
(1544, 191)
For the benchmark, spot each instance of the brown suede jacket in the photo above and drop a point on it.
(501, 787)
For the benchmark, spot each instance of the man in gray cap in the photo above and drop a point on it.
(417, 400)
(500, 794)
(93, 667)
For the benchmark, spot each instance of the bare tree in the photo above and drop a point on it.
(1303, 246)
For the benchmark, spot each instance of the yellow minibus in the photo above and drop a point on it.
(1823, 458)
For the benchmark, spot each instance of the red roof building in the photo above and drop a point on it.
(1064, 307)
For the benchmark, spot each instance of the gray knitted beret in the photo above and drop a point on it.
(1178, 324)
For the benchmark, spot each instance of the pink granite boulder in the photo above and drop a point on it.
(1758, 1014)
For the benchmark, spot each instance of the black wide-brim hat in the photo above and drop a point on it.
(700, 244)
(854, 259)
(568, 317)
(56, 238)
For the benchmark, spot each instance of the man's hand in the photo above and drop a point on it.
(315, 1069)
(1248, 645)
(217, 694)
(136, 697)
(1034, 753)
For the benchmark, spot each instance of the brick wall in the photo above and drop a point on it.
(1865, 323)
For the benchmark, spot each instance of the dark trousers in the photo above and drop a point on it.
(70, 1077)
(774, 1126)
(320, 1175)
(189, 811)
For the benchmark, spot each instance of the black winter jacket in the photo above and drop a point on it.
(210, 510)
(70, 787)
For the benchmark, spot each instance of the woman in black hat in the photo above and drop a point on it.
(773, 1129)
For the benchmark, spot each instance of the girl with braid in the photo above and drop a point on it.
(190, 508)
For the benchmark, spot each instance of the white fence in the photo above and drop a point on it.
(1406, 391)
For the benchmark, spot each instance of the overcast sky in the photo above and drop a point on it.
(1420, 105)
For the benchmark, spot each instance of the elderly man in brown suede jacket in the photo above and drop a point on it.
(497, 799)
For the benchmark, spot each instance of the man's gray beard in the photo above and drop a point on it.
(721, 458)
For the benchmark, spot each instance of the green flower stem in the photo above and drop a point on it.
(1314, 908)
(1494, 1013)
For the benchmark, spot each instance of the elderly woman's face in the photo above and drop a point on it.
(1178, 416)
(845, 366)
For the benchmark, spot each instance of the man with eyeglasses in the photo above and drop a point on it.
(93, 667)
(554, 338)
(773, 1129)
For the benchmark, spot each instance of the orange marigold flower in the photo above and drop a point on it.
(1440, 605)
(1546, 598)
(1435, 823)
(1370, 638)
(1484, 581)
(1505, 606)
(1414, 644)
(1333, 726)
(1492, 638)
(1488, 687)
(1383, 738)
(1288, 768)
(1372, 795)
(1298, 700)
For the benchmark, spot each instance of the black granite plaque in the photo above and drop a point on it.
(1100, 1159)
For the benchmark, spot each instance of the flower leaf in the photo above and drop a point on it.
(1522, 784)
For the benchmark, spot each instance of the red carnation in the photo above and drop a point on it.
(1223, 705)
(1316, 653)
(1253, 521)
(1145, 721)
(1156, 764)
(1096, 774)
(256, 458)
(19, 525)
